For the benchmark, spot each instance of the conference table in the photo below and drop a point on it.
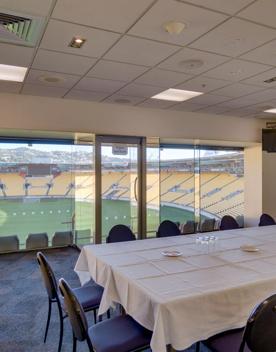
(185, 299)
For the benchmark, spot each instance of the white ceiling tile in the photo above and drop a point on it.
(261, 11)
(234, 37)
(16, 55)
(35, 89)
(116, 71)
(60, 62)
(198, 22)
(31, 7)
(38, 77)
(236, 90)
(251, 100)
(208, 99)
(85, 95)
(259, 79)
(10, 87)
(158, 104)
(59, 34)
(227, 6)
(265, 54)
(183, 61)
(217, 110)
(162, 78)
(203, 84)
(99, 85)
(236, 70)
(140, 51)
(186, 106)
(123, 99)
(140, 90)
(116, 15)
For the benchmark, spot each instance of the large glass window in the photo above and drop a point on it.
(221, 183)
(177, 183)
(46, 186)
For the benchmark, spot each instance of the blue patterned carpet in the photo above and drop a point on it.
(23, 303)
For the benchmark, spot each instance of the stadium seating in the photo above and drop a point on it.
(62, 238)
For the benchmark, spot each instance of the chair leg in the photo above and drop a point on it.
(95, 316)
(108, 314)
(197, 347)
(74, 343)
(89, 343)
(61, 327)
(48, 319)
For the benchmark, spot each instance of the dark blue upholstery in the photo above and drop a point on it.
(266, 220)
(228, 223)
(226, 342)
(258, 335)
(119, 334)
(168, 228)
(120, 233)
(89, 296)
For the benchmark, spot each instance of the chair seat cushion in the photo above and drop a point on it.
(229, 341)
(89, 296)
(119, 334)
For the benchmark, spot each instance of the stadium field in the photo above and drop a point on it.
(34, 215)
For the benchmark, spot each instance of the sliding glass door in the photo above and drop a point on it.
(119, 184)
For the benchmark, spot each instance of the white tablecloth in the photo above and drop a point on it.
(190, 298)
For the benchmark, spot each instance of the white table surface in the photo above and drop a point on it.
(189, 298)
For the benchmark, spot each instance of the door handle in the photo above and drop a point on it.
(135, 189)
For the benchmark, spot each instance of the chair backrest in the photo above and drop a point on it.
(259, 334)
(62, 238)
(37, 241)
(9, 244)
(120, 233)
(167, 228)
(48, 276)
(74, 310)
(266, 220)
(228, 223)
(189, 227)
(208, 225)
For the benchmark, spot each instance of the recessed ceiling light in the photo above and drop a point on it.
(271, 111)
(122, 101)
(176, 95)
(191, 64)
(12, 73)
(51, 79)
(174, 27)
(77, 42)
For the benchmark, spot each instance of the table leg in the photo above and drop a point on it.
(170, 348)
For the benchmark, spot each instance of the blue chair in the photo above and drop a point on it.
(258, 335)
(89, 295)
(118, 334)
(266, 220)
(120, 233)
(228, 223)
(168, 228)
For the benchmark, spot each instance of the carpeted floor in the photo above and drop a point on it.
(23, 302)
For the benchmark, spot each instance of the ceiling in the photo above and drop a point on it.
(128, 56)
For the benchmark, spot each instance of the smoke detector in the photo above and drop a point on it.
(51, 79)
(174, 27)
(191, 64)
(122, 101)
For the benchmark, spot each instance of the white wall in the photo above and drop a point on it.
(269, 188)
(253, 185)
(41, 113)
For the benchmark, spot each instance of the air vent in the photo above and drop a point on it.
(19, 29)
(270, 80)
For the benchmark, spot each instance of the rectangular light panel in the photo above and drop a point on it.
(176, 95)
(271, 111)
(12, 73)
